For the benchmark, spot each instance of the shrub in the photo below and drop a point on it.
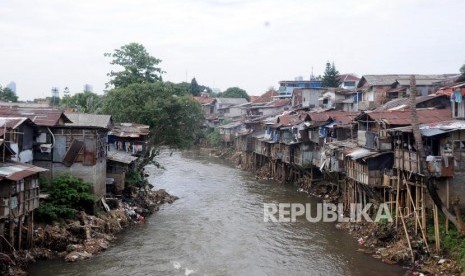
(67, 195)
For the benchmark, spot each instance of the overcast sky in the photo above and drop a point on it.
(223, 43)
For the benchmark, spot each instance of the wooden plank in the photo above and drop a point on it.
(72, 153)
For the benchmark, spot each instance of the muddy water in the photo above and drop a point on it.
(217, 228)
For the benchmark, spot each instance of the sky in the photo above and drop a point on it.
(250, 44)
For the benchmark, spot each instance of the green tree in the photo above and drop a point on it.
(7, 95)
(181, 88)
(194, 88)
(462, 69)
(174, 120)
(138, 66)
(331, 76)
(85, 102)
(234, 92)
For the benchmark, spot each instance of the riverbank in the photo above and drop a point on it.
(87, 235)
(386, 242)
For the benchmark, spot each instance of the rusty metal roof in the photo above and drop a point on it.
(290, 119)
(40, 116)
(403, 117)
(129, 130)
(16, 171)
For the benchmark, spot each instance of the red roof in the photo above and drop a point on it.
(266, 97)
(290, 120)
(348, 77)
(278, 103)
(253, 98)
(403, 117)
(40, 116)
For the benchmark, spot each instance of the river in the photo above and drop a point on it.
(217, 228)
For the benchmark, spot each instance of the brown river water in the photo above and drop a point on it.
(217, 228)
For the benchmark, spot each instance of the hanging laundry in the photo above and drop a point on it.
(458, 96)
(452, 97)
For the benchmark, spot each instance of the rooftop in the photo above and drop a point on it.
(129, 130)
(40, 116)
(89, 120)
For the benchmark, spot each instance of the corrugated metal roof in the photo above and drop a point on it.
(129, 130)
(16, 171)
(404, 102)
(231, 101)
(89, 120)
(384, 80)
(40, 116)
(12, 122)
(403, 117)
(121, 157)
(290, 119)
(231, 125)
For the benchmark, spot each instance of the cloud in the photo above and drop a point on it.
(224, 43)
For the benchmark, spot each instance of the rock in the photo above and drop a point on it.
(77, 256)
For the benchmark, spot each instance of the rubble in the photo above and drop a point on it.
(87, 235)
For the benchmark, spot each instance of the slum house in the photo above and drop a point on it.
(78, 148)
(230, 108)
(376, 89)
(348, 81)
(126, 142)
(369, 165)
(19, 197)
(347, 100)
(444, 150)
(268, 109)
(209, 108)
(19, 134)
(455, 90)
(307, 98)
(329, 98)
(326, 127)
(425, 85)
(44, 119)
(229, 131)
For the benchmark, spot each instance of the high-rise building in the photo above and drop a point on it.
(12, 86)
(88, 87)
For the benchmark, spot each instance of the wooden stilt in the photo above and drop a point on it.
(12, 232)
(406, 235)
(436, 229)
(397, 197)
(20, 228)
(447, 203)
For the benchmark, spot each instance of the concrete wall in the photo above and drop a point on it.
(93, 174)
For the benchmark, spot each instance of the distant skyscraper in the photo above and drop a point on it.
(88, 87)
(12, 86)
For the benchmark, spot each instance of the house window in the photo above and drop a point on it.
(349, 83)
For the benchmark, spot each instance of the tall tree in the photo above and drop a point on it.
(7, 95)
(331, 76)
(138, 66)
(194, 88)
(235, 92)
(174, 120)
(462, 69)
